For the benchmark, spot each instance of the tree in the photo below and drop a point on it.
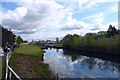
(75, 40)
(112, 31)
(19, 40)
(71, 40)
(66, 40)
(89, 39)
(102, 34)
(8, 37)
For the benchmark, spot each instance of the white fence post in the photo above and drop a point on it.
(10, 74)
(6, 73)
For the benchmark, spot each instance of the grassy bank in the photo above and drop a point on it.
(27, 62)
(0, 69)
(29, 50)
(3, 66)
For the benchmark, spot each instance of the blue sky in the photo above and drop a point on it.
(9, 5)
(48, 19)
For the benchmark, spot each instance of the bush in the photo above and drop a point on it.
(95, 42)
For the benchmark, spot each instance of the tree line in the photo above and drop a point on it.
(103, 42)
(8, 37)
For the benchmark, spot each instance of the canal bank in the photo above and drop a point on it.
(95, 52)
(27, 62)
(61, 63)
(93, 43)
(71, 65)
(105, 56)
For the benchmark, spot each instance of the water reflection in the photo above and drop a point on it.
(69, 65)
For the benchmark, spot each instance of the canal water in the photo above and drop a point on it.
(70, 65)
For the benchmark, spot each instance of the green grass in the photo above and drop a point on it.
(3, 66)
(42, 69)
(0, 68)
(30, 50)
(34, 53)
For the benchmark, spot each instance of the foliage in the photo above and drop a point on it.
(71, 40)
(19, 40)
(42, 69)
(94, 42)
(112, 31)
(7, 36)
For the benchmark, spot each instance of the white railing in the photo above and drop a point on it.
(9, 70)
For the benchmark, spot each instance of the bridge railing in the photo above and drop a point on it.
(9, 71)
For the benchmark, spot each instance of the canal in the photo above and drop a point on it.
(67, 64)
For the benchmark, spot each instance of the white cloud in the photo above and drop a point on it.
(97, 21)
(90, 3)
(38, 15)
(34, 18)
(15, 15)
(97, 18)
(113, 9)
(73, 24)
(34, 15)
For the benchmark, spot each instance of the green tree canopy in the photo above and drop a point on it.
(7, 36)
(19, 40)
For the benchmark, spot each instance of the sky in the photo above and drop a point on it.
(49, 19)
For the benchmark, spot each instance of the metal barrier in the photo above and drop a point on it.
(9, 70)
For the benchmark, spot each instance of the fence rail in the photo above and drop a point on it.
(9, 70)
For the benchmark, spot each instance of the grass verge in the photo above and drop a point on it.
(29, 50)
(3, 66)
(26, 61)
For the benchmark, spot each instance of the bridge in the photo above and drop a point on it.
(46, 44)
